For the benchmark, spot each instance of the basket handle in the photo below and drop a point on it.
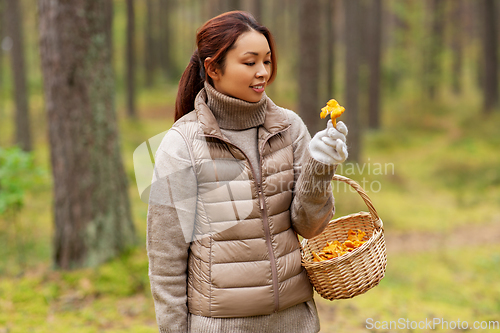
(377, 222)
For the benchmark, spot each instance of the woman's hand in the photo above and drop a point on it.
(329, 145)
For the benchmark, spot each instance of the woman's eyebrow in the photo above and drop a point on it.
(255, 53)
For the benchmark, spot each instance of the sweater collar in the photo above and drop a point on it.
(233, 113)
(274, 121)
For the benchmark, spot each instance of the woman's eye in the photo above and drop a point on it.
(268, 62)
(250, 63)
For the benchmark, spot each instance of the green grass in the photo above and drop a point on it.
(114, 298)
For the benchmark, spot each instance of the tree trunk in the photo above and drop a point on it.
(130, 59)
(216, 7)
(375, 44)
(364, 33)
(157, 37)
(257, 10)
(277, 12)
(149, 58)
(15, 31)
(2, 35)
(330, 48)
(433, 73)
(91, 206)
(309, 44)
(457, 46)
(165, 39)
(234, 4)
(352, 32)
(478, 19)
(490, 53)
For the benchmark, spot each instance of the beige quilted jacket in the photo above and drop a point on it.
(240, 257)
(245, 259)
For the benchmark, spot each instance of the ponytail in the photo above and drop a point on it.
(190, 84)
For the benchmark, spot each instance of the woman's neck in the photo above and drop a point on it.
(235, 114)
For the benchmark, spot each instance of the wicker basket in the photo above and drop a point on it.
(353, 273)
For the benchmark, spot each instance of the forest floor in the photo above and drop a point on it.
(469, 235)
(116, 296)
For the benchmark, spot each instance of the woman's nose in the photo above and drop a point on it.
(262, 71)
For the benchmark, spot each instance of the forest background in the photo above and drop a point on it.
(418, 78)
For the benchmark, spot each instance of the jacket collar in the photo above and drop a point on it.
(275, 120)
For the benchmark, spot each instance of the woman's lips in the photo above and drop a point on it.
(258, 88)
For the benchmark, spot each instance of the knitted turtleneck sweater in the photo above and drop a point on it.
(235, 114)
(238, 120)
(167, 248)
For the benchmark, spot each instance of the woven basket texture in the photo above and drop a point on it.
(353, 273)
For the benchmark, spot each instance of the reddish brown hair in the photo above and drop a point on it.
(214, 39)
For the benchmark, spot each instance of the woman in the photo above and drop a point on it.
(236, 177)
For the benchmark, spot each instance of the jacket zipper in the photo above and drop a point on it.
(267, 230)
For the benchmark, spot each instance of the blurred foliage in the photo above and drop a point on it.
(113, 298)
(18, 174)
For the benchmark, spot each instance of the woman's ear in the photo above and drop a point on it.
(211, 70)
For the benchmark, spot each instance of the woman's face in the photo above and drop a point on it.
(247, 68)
